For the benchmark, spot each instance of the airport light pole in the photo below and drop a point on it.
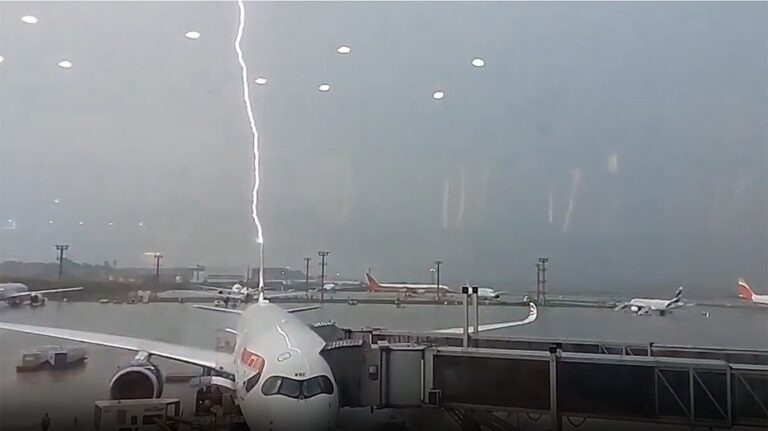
(157, 256)
(306, 280)
(437, 274)
(538, 282)
(543, 261)
(61, 248)
(432, 274)
(323, 255)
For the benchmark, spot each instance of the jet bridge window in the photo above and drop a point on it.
(278, 385)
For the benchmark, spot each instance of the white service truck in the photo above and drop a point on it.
(134, 415)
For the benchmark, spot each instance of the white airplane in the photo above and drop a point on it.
(15, 294)
(280, 380)
(241, 293)
(645, 306)
(745, 292)
(406, 288)
(335, 286)
(488, 293)
(328, 287)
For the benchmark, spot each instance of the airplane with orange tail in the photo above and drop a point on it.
(406, 288)
(745, 292)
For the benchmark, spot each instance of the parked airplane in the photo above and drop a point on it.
(241, 293)
(407, 288)
(15, 294)
(746, 292)
(280, 380)
(644, 306)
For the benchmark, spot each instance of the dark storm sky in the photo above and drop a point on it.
(647, 120)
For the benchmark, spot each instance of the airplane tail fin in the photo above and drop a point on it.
(677, 298)
(744, 290)
(679, 293)
(373, 285)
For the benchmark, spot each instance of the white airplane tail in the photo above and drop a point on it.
(677, 299)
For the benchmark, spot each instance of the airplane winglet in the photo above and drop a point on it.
(533, 314)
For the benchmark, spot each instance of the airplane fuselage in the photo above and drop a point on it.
(282, 382)
(653, 304)
(758, 299)
(413, 289)
(487, 293)
(8, 289)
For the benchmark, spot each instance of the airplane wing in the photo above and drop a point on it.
(218, 289)
(222, 292)
(190, 355)
(272, 295)
(42, 292)
(234, 311)
(300, 309)
(233, 294)
(533, 313)
(219, 309)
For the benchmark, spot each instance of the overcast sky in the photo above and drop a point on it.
(627, 141)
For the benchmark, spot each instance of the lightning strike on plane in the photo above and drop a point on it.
(255, 133)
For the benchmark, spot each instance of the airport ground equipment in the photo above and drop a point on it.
(51, 358)
(135, 415)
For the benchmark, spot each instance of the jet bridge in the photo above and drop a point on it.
(672, 384)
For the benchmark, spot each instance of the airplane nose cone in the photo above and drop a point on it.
(314, 414)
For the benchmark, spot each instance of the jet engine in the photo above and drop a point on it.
(140, 379)
(36, 300)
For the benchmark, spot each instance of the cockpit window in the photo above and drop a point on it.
(310, 387)
(315, 386)
(251, 382)
(271, 385)
(292, 388)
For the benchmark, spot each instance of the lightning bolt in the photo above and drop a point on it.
(252, 123)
